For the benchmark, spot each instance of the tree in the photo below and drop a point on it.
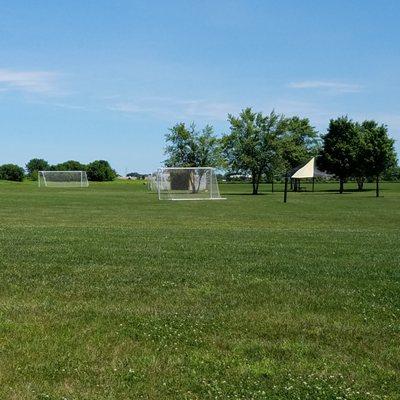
(298, 142)
(188, 147)
(392, 174)
(35, 165)
(377, 150)
(12, 172)
(136, 175)
(100, 170)
(70, 165)
(340, 147)
(296, 145)
(251, 146)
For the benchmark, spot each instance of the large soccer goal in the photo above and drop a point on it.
(62, 179)
(198, 183)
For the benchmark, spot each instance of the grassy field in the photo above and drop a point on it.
(108, 293)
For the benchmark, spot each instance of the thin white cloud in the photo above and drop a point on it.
(28, 81)
(167, 108)
(337, 87)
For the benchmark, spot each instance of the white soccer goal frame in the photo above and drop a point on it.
(152, 182)
(81, 180)
(207, 185)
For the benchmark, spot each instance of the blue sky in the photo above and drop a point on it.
(100, 79)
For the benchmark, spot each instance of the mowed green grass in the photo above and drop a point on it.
(108, 293)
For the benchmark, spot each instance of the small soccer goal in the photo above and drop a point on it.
(152, 182)
(62, 179)
(187, 184)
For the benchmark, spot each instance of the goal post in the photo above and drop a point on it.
(62, 179)
(187, 183)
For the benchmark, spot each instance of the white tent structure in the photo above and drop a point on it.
(309, 171)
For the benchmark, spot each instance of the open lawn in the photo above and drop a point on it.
(108, 293)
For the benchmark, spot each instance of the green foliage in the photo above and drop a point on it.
(357, 150)
(267, 145)
(392, 174)
(377, 154)
(188, 147)
(252, 147)
(297, 143)
(340, 149)
(34, 165)
(101, 171)
(70, 165)
(11, 172)
(136, 175)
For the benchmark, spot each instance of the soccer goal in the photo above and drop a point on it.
(152, 182)
(198, 183)
(62, 179)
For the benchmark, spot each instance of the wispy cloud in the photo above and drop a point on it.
(43, 82)
(168, 108)
(337, 87)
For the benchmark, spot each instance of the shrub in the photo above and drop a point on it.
(100, 170)
(11, 172)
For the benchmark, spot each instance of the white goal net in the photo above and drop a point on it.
(152, 182)
(62, 179)
(198, 183)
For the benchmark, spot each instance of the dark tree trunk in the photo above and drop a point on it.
(341, 185)
(360, 183)
(377, 186)
(272, 185)
(286, 189)
(255, 180)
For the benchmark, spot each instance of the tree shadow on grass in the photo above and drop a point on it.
(246, 194)
(345, 191)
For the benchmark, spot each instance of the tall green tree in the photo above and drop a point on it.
(189, 147)
(377, 151)
(251, 146)
(340, 148)
(34, 165)
(298, 142)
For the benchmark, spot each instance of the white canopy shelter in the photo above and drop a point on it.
(309, 170)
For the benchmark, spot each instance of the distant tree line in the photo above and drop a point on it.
(266, 147)
(136, 175)
(99, 170)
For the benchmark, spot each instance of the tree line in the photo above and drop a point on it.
(99, 170)
(268, 147)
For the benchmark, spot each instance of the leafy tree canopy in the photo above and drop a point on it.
(36, 164)
(251, 146)
(100, 170)
(189, 147)
(340, 148)
(298, 142)
(377, 154)
(12, 172)
(70, 165)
